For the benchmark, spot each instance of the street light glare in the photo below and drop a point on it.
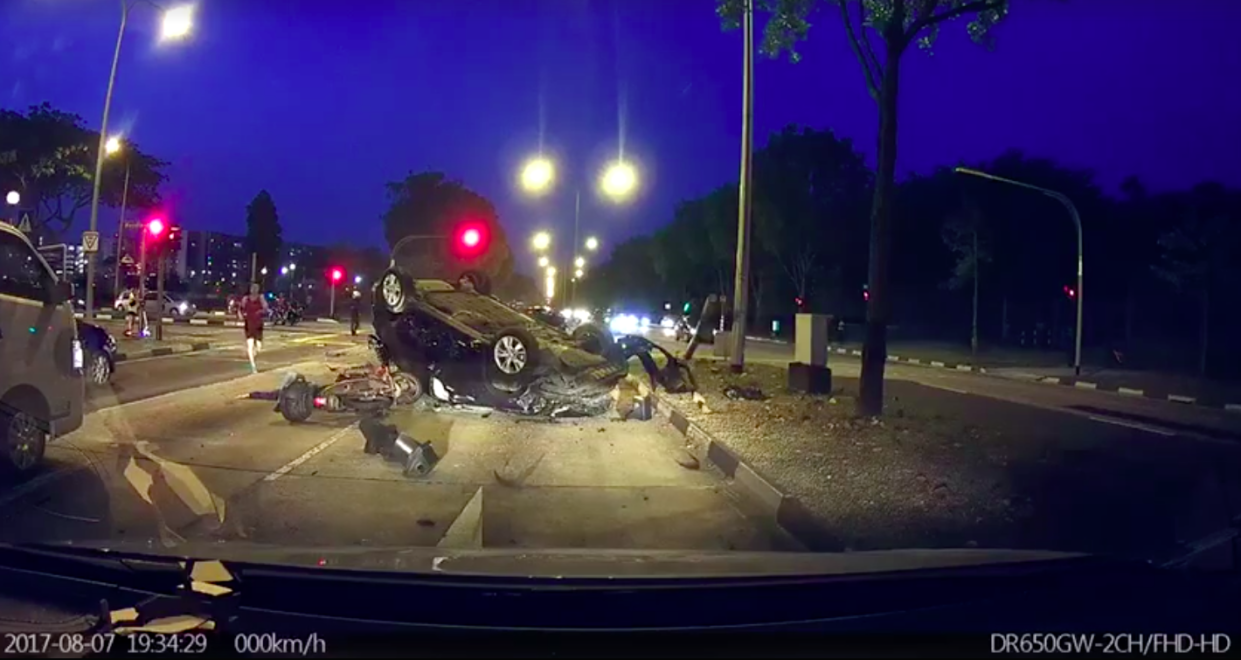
(541, 240)
(577, 273)
(543, 262)
(592, 244)
(537, 175)
(177, 23)
(580, 262)
(13, 198)
(619, 180)
(112, 146)
(551, 271)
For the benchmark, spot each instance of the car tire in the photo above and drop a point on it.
(23, 436)
(514, 355)
(98, 368)
(395, 290)
(592, 338)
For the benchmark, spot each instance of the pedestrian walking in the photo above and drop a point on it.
(252, 311)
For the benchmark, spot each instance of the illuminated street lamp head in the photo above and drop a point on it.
(178, 22)
(619, 180)
(537, 175)
(580, 262)
(541, 240)
(577, 273)
(112, 146)
(592, 244)
(543, 262)
(551, 271)
(13, 198)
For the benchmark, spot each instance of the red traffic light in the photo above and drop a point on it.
(1069, 291)
(155, 226)
(337, 274)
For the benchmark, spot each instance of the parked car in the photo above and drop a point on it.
(99, 349)
(41, 358)
(174, 307)
(485, 352)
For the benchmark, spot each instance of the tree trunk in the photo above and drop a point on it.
(1204, 333)
(875, 348)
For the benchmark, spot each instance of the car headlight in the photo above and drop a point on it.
(79, 360)
(183, 306)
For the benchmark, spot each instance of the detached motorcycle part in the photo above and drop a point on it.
(419, 461)
(514, 355)
(395, 290)
(297, 400)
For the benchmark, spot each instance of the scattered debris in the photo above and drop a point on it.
(747, 393)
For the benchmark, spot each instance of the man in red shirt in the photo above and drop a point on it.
(252, 311)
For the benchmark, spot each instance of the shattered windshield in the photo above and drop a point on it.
(558, 289)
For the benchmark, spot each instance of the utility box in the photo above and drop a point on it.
(808, 371)
(723, 346)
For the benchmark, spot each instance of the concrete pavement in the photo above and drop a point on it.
(214, 466)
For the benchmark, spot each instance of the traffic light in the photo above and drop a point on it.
(155, 228)
(685, 308)
(800, 302)
(172, 243)
(1070, 291)
(866, 292)
(470, 239)
(337, 275)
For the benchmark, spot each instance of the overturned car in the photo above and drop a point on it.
(470, 348)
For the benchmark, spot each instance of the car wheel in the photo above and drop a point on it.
(23, 439)
(395, 289)
(514, 354)
(593, 339)
(98, 368)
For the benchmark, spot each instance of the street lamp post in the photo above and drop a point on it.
(1077, 224)
(741, 283)
(176, 24)
(112, 146)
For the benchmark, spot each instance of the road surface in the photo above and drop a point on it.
(172, 453)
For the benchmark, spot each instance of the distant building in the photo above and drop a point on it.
(213, 260)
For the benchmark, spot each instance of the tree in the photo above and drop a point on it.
(896, 24)
(428, 207)
(49, 156)
(961, 236)
(1198, 256)
(263, 233)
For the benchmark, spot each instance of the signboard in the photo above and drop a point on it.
(90, 241)
(24, 223)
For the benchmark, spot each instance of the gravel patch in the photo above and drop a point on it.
(944, 470)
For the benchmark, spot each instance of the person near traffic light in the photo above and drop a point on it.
(355, 311)
(129, 304)
(252, 311)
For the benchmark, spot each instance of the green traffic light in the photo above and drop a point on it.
(685, 308)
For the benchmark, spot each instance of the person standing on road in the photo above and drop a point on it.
(252, 311)
(355, 311)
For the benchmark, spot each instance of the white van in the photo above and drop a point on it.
(41, 384)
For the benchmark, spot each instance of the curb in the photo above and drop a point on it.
(786, 511)
(161, 351)
(1079, 383)
(196, 320)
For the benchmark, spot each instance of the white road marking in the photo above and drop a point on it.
(292, 465)
(945, 387)
(1133, 425)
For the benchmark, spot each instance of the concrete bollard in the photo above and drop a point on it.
(808, 372)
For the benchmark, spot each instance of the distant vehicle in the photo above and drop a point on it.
(172, 306)
(41, 358)
(100, 351)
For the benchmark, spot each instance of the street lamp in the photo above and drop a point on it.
(263, 271)
(112, 146)
(551, 271)
(592, 243)
(541, 241)
(580, 262)
(177, 23)
(284, 270)
(619, 180)
(544, 261)
(1077, 224)
(578, 273)
(537, 175)
(13, 198)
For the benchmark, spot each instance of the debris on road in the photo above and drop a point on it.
(747, 393)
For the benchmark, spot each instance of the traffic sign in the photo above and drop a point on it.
(90, 241)
(24, 223)
(127, 260)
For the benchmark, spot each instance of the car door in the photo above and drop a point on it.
(38, 347)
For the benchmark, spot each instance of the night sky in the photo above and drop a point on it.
(322, 102)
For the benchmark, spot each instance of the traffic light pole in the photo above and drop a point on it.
(332, 299)
(159, 299)
(142, 283)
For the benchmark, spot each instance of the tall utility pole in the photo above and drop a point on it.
(573, 254)
(741, 285)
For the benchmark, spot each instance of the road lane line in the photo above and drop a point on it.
(945, 387)
(292, 465)
(1133, 425)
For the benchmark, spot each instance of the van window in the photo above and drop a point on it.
(21, 272)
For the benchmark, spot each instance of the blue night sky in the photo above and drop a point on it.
(322, 102)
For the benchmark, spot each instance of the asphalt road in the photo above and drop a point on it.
(173, 453)
(1148, 415)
